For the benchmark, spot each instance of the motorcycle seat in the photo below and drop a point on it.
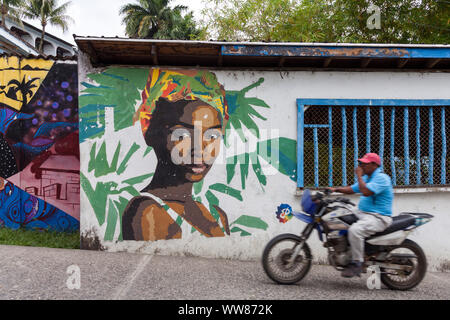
(398, 223)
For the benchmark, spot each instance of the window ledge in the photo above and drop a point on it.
(397, 190)
(421, 189)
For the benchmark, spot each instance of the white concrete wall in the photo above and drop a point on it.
(280, 91)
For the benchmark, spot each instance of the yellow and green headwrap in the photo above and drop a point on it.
(175, 85)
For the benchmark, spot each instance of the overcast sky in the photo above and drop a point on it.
(101, 18)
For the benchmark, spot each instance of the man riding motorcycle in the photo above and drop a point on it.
(374, 210)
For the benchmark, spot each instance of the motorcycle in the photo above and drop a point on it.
(402, 263)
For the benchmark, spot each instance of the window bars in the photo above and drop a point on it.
(409, 135)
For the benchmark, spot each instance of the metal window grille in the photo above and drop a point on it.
(411, 140)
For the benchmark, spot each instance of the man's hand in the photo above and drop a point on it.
(331, 190)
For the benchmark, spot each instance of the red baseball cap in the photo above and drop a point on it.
(371, 157)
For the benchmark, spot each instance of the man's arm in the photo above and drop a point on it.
(345, 190)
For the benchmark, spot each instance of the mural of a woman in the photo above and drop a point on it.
(183, 117)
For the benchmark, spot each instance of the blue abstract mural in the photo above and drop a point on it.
(18, 209)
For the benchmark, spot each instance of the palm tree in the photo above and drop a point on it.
(23, 87)
(47, 11)
(154, 19)
(10, 8)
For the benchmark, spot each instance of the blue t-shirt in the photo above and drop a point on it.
(381, 201)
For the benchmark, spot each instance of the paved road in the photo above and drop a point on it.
(41, 273)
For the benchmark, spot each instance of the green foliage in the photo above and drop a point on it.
(47, 12)
(251, 20)
(12, 10)
(402, 21)
(154, 19)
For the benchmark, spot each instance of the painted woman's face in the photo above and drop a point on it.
(194, 142)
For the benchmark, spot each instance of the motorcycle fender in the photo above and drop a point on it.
(394, 238)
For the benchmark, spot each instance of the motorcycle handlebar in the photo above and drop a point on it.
(327, 192)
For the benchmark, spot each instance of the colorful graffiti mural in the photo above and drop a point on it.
(149, 140)
(39, 144)
(22, 210)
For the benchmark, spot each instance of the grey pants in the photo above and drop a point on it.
(367, 225)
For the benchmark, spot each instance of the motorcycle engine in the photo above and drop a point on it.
(341, 254)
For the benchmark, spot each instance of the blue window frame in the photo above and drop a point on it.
(416, 135)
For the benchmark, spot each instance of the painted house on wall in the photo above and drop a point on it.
(39, 167)
(277, 118)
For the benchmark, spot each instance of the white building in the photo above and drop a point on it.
(25, 40)
(329, 104)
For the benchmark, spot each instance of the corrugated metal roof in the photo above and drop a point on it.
(115, 50)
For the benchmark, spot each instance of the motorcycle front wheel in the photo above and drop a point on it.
(276, 256)
(408, 254)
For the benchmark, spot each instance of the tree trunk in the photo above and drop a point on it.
(4, 12)
(41, 45)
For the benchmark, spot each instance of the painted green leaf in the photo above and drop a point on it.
(243, 232)
(251, 125)
(256, 165)
(99, 161)
(238, 127)
(98, 197)
(213, 201)
(111, 222)
(198, 187)
(137, 180)
(244, 160)
(147, 151)
(121, 205)
(220, 187)
(257, 114)
(123, 166)
(251, 222)
(257, 102)
(244, 163)
(226, 137)
(280, 153)
(91, 165)
(231, 168)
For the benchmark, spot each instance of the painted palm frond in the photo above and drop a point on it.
(117, 88)
(109, 198)
(242, 112)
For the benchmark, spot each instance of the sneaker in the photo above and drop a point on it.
(353, 269)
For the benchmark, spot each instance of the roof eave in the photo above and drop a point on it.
(224, 54)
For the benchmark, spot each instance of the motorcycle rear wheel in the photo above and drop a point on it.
(276, 255)
(406, 280)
